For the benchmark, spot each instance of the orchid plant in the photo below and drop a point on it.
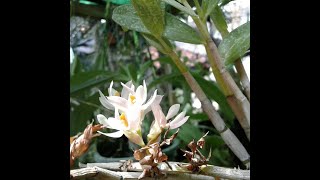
(130, 107)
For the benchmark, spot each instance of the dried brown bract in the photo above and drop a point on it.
(126, 164)
(81, 143)
(150, 156)
(201, 141)
(195, 157)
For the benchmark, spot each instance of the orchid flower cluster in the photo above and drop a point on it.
(130, 107)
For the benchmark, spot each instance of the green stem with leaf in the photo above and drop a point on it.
(230, 139)
(236, 99)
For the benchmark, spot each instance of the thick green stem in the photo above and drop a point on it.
(199, 10)
(243, 77)
(237, 101)
(241, 71)
(230, 139)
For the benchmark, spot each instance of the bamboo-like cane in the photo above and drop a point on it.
(236, 99)
(227, 135)
(243, 77)
(111, 170)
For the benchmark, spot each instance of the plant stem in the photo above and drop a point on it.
(230, 139)
(199, 9)
(210, 170)
(241, 71)
(237, 101)
(243, 77)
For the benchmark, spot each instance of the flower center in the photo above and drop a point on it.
(123, 119)
(132, 99)
(117, 93)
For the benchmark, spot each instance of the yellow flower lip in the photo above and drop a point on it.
(123, 119)
(132, 99)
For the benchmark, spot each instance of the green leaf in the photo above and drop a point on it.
(83, 113)
(198, 116)
(235, 44)
(154, 42)
(208, 6)
(185, 135)
(143, 68)
(87, 80)
(76, 66)
(219, 21)
(100, 61)
(151, 15)
(175, 29)
(168, 78)
(180, 7)
(132, 72)
(214, 141)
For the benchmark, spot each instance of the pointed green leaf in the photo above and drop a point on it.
(219, 20)
(100, 61)
(175, 29)
(151, 15)
(180, 7)
(235, 44)
(208, 6)
(76, 66)
(85, 80)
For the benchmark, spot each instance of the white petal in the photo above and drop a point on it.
(119, 103)
(158, 114)
(156, 101)
(125, 92)
(139, 95)
(110, 89)
(127, 89)
(177, 118)
(134, 137)
(113, 123)
(173, 111)
(102, 119)
(106, 103)
(150, 101)
(176, 124)
(116, 113)
(132, 87)
(116, 134)
(133, 115)
(103, 100)
(144, 97)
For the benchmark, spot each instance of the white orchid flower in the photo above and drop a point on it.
(112, 92)
(124, 125)
(129, 97)
(133, 105)
(161, 123)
